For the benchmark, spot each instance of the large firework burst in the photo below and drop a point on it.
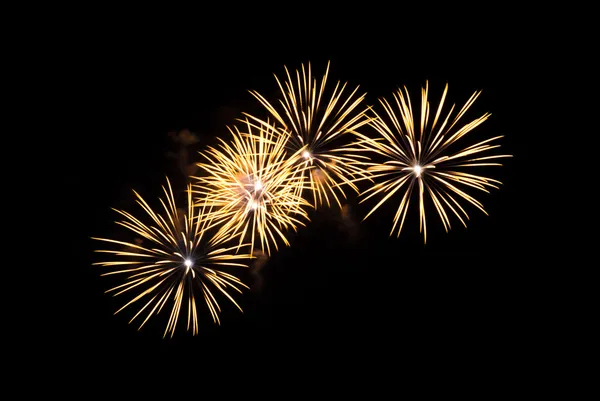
(180, 262)
(253, 186)
(428, 157)
(318, 124)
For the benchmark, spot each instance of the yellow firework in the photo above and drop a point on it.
(319, 125)
(253, 186)
(427, 155)
(179, 263)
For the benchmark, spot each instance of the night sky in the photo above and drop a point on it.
(341, 292)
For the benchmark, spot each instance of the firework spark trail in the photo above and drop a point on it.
(419, 157)
(180, 263)
(253, 186)
(315, 123)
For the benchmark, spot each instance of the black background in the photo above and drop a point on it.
(472, 296)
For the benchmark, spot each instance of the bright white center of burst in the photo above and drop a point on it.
(306, 154)
(188, 263)
(417, 169)
(253, 204)
(258, 186)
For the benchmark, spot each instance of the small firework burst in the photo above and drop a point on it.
(253, 186)
(179, 264)
(321, 125)
(428, 157)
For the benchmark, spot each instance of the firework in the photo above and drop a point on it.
(180, 262)
(428, 156)
(253, 186)
(317, 124)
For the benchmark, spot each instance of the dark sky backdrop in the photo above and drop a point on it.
(465, 294)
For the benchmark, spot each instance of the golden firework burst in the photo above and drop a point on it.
(179, 262)
(428, 156)
(319, 125)
(253, 186)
